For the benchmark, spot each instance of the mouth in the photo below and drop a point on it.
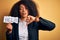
(24, 13)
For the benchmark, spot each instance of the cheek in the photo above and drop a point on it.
(26, 12)
(20, 11)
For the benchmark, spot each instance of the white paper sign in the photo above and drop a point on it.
(9, 19)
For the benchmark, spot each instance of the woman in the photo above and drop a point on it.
(29, 22)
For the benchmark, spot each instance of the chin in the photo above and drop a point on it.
(24, 16)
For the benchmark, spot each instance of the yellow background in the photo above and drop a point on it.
(48, 9)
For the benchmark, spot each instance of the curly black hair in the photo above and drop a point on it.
(30, 5)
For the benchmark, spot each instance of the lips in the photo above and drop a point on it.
(23, 13)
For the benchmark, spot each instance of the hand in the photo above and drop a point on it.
(30, 19)
(36, 19)
(9, 27)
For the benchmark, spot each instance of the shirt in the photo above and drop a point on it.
(23, 30)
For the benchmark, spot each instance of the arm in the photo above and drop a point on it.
(44, 24)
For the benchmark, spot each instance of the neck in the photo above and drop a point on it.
(23, 18)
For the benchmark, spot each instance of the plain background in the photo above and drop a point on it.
(48, 9)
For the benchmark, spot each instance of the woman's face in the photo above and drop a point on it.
(23, 11)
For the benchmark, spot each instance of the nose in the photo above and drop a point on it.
(23, 9)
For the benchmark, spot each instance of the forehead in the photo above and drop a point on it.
(22, 5)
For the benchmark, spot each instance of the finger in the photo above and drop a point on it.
(28, 18)
(9, 32)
